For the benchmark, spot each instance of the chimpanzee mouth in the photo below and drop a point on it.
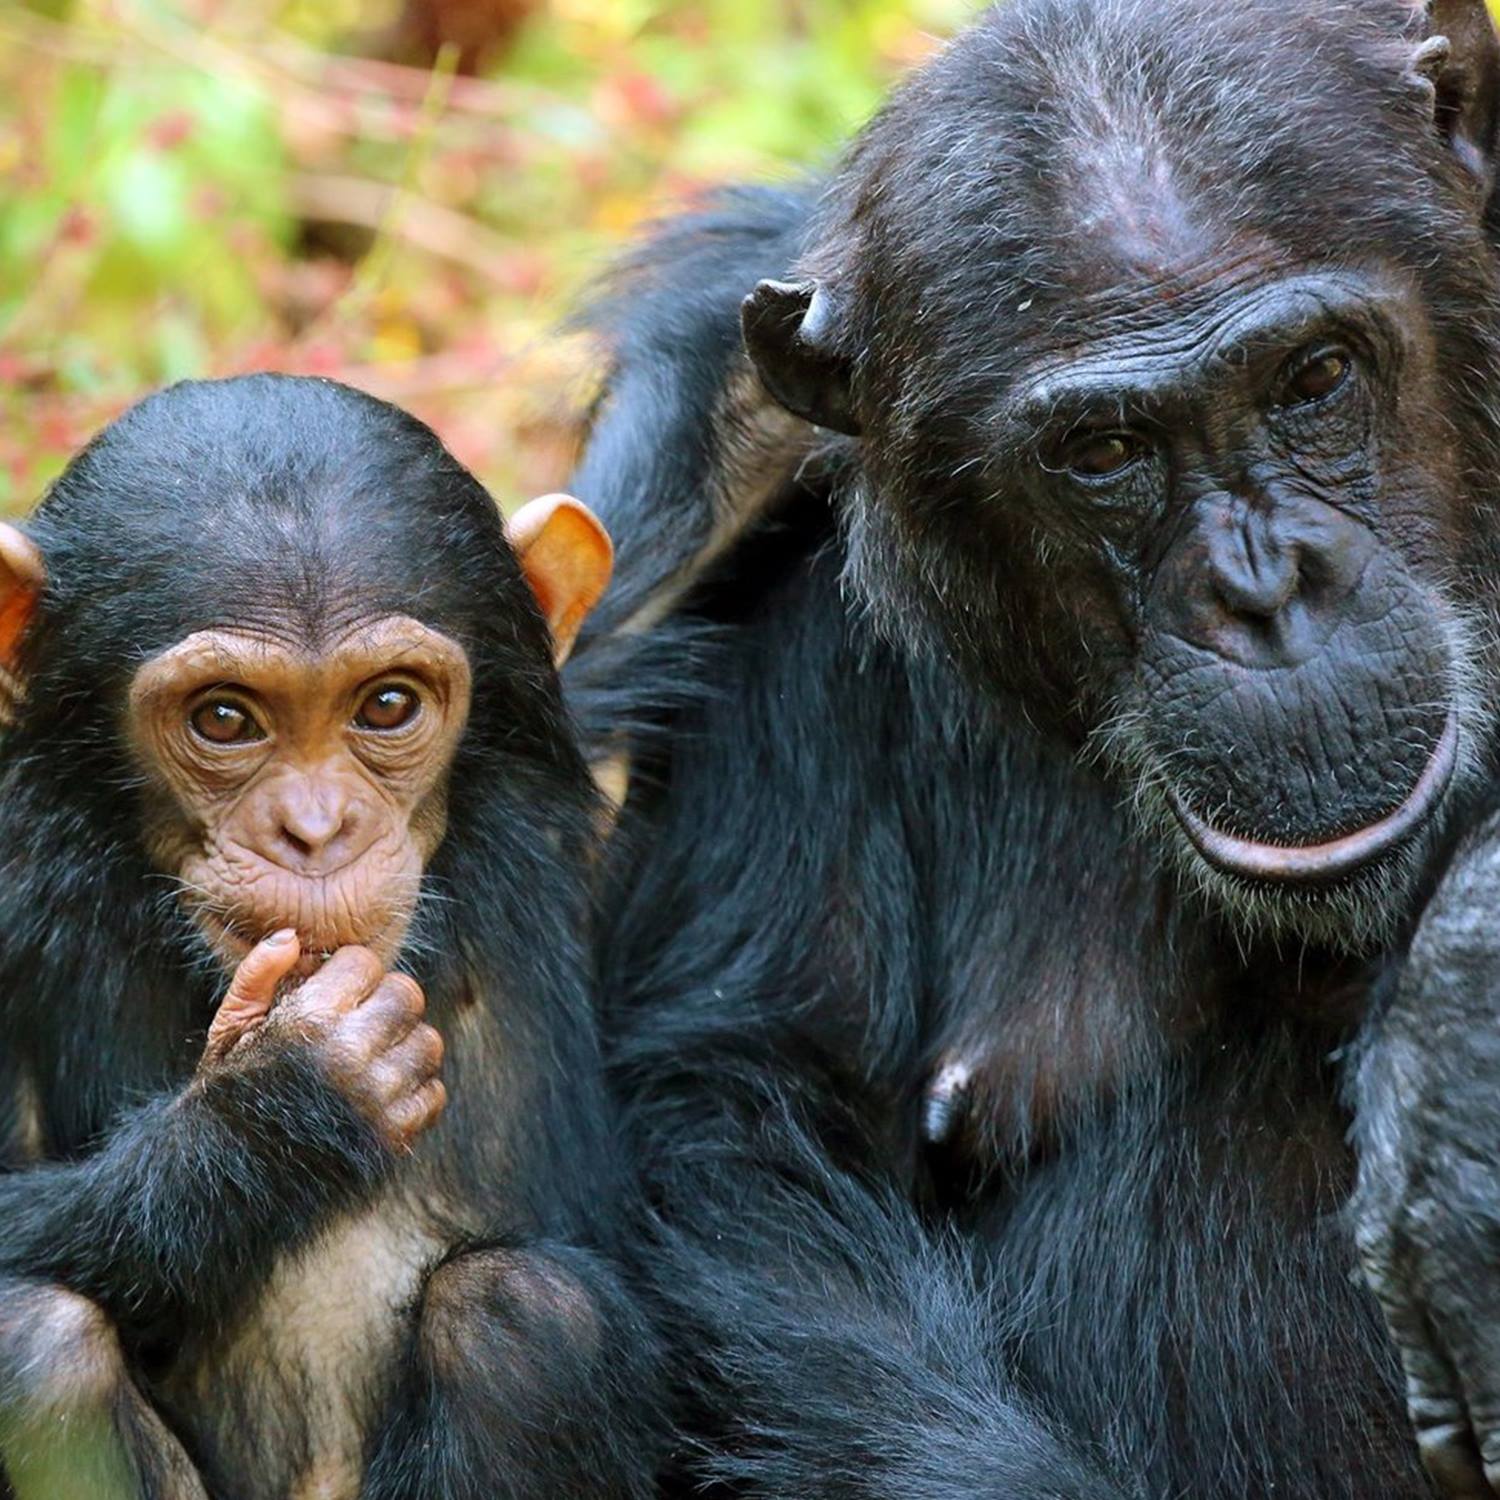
(1311, 864)
(233, 941)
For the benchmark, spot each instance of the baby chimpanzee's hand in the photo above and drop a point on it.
(364, 1026)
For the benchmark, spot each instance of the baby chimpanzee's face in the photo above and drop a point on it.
(300, 782)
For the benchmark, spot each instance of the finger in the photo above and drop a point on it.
(414, 1060)
(946, 1100)
(252, 990)
(1444, 1433)
(1471, 1346)
(419, 1111)
(400, 991)
(348, 978)
(1439, 1417)
(389, 1015)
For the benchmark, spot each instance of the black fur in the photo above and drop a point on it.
(1117, 1262)
(175, 1205)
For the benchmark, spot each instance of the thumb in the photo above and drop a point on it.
(252, 991)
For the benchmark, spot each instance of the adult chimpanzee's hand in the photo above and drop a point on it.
(1428, 1204)
(362, 1025)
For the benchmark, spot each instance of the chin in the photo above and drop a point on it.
(1359, 911)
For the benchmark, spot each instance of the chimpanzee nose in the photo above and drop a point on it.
(1263, 584)
(311, 825)
(1253, 571)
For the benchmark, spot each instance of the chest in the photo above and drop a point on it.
(279, 1407)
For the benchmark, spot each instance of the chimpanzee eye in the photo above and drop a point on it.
(222, 721)
(388, 707)
(1316, 377)
(1102, 455)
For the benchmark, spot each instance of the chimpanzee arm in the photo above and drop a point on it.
(1427, 1210)
(686, 448)
(192, 1199)
(832, 1347)
(530, 1373)
(194, 1196)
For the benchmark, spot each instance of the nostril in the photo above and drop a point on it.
(298, 846)
(1259, 599)
(309, 831)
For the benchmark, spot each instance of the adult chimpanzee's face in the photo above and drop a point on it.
(1173, 412)
(1253, 504)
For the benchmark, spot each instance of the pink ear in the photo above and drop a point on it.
(567, 557)
(23, 576)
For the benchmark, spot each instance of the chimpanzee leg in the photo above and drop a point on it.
(525, 1381)
(72, 1422)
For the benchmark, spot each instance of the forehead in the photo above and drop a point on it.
(1144, 337)
(283, 661)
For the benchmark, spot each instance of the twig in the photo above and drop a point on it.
(429, 226)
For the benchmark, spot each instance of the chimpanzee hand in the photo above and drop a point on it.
(1427, 1211)
(363, 1026)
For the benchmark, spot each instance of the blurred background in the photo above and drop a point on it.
(403, 194)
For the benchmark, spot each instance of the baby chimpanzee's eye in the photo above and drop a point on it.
(222, 721)
(389, 707)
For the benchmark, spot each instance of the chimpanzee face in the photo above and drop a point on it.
(301, 782)
(1177, 438)
(1252, 506)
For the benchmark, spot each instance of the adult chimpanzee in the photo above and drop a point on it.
(279, 669)
(1044, 672)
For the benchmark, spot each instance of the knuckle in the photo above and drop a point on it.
(343, 1056)
(314, 1000)
(416, 1111)
(361, 961)
(383, 1084)
(348, 969)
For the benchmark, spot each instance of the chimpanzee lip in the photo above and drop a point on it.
(1310, 864)
(234, 944)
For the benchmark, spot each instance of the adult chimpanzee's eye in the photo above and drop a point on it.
(387, 707)
(1101, 455)
(222, 721)
(1317, 377)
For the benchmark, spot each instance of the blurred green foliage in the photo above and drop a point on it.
(197, 187)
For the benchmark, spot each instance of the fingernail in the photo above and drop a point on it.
(282, 938)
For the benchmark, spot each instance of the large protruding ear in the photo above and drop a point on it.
(1459, 59)
(23, 576)
(790, 329)
(567, 557)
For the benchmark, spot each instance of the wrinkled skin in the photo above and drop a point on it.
(362, 1024)
(282, 799)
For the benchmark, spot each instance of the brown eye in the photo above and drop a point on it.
(387, 708)
(1103, 454)
(1318, 377)
(221, 721)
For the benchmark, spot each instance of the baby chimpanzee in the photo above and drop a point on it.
(285, 734)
